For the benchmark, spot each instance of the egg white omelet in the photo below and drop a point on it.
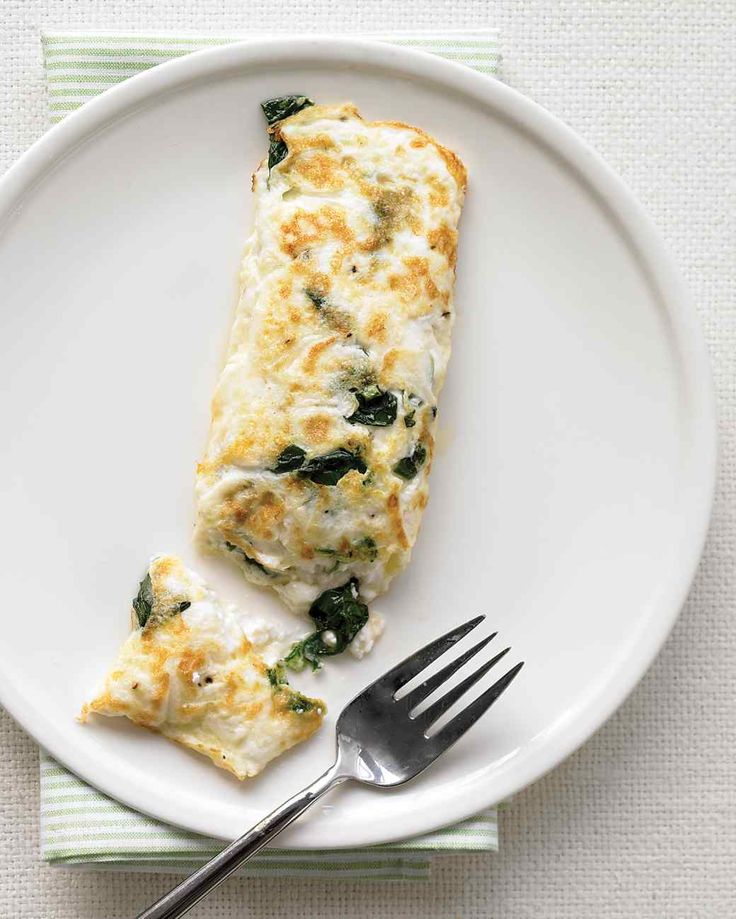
(315, 475)
(189, 672)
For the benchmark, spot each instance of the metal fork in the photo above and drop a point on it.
(381, 740)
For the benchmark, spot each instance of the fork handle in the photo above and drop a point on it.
(184, 896)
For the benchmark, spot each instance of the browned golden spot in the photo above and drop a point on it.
(176, 631)
(189, 662)
(318, 282)
(315, 352)
(320, 170)
(161, 690)
(247, 512)
(233, 684)
(397, 524)
(256, 435)
(311, 142)
(106, 704)
(267, 513)
(433, 292)
(164, 567)
(177, 628)
(418, 143)
(303, 229)
(390, 360)
(242, 446)
(438, 194)
(444, 240)
(408, 285)
(415, 287)
(377, 327)
(189, 709)
(317, 428)
(253, 709)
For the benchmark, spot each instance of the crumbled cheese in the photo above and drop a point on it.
(368, 635)
(270, 639)
(329, 639)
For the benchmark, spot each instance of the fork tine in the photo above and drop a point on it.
(399, 675)
(455, 729)
(421, 692)
(438, 708)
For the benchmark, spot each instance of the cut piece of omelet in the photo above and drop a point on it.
(315, 475)
(189, 672)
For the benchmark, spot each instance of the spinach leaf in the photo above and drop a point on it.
(144, 601)
(303, 653)
(295, 701)
(281, 107)
(375, 407)
(415, 402)
(340, 611)
(275, 110)
(317, 299)
(276, 675)
(247, 559)
(339, 616)
(329, 468)
(299, 703)
(365, 550)
(335, 317)
(277, 151)
(408, 467)
(289, 460)
(144, 606)
(324, 470)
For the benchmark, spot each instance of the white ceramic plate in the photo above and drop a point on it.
(571, 490)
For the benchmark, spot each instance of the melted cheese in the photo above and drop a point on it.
(192, 675)
(347, 282)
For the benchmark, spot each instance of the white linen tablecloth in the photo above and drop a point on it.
(642, 821)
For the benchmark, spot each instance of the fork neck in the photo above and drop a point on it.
(335, 775)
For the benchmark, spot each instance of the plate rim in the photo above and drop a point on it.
(61, 141)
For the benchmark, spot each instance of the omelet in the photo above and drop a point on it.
(315, 474)
(189, 672)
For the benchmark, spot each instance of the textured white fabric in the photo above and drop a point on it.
(642, 821)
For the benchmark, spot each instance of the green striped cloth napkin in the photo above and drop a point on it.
(80, 825)
(83, 64)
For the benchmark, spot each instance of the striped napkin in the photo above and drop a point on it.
(80, 825)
